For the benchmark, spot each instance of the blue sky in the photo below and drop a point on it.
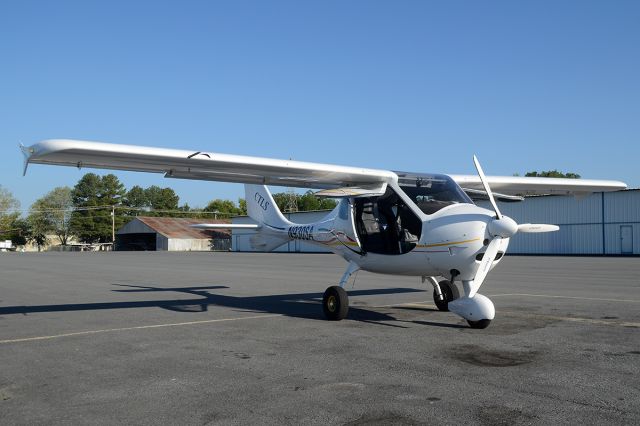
(404, 85)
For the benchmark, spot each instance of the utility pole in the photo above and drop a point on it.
(291, 205)
(113, 227)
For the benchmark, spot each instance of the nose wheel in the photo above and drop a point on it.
(484, 323)
(335, 303)
(449, 294)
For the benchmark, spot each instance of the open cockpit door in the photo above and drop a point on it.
(386, 224)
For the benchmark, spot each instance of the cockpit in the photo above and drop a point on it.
(432, 192)
(385, 224)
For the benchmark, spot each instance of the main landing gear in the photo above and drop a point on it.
(335, 301)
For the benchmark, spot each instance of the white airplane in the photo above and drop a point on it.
(386, 222)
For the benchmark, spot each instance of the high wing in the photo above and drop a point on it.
(516, 185)
(201, 165)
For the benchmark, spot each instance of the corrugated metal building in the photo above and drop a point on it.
(598, 224)
(171, 234)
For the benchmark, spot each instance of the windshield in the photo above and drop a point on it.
(432, 192)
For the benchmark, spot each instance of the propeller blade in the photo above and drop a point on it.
(537, 227)
(483, 179)
(485, 265)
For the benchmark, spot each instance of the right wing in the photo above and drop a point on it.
(200, 165)
(522, 186)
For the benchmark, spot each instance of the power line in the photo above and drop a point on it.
(109, 207)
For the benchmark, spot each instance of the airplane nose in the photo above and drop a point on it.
(504, 227)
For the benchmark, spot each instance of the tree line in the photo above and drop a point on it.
(84, 212)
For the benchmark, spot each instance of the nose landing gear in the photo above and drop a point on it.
(477, 310)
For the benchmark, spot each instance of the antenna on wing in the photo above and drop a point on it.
(291, 201)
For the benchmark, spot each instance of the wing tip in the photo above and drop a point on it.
(26, 152)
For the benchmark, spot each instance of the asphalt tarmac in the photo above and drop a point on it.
(238, 338)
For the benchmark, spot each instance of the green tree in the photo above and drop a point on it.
(136, 197)
(162, 198)
(242, 206)
(92, 196)
(152, 199)
(308, 202)
(20, 232)
(85, 194)
(7, 201)
(305, 202)
(38, 228)
(553, 174)
(282, 200)
(9, 216)
(223, 208)
(327, 204)
(52, 213)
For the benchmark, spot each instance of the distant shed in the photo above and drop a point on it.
(171, 234)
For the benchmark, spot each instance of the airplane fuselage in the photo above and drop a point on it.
(450, 240)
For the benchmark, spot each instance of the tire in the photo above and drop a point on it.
(450, 293)
(484, 323)
(335, 303)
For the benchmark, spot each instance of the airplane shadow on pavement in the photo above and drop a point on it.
(299, 305)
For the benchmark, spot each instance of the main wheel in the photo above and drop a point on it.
(335, 303)
(483, 323)
(450, 293)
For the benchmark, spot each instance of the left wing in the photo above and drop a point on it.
(199, 165)
(202, 165)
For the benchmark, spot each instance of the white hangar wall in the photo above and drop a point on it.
(598, 224)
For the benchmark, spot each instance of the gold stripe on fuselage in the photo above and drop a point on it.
(449, 244)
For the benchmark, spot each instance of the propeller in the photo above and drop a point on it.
(499, 228)
(531, 228)
(483, 179)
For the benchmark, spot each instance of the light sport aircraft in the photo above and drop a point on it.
(386, 222)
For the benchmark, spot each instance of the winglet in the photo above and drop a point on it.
(26, 151)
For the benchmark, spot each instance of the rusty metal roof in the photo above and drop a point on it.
(178, 227)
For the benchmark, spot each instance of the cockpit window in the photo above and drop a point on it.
(432, 192)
